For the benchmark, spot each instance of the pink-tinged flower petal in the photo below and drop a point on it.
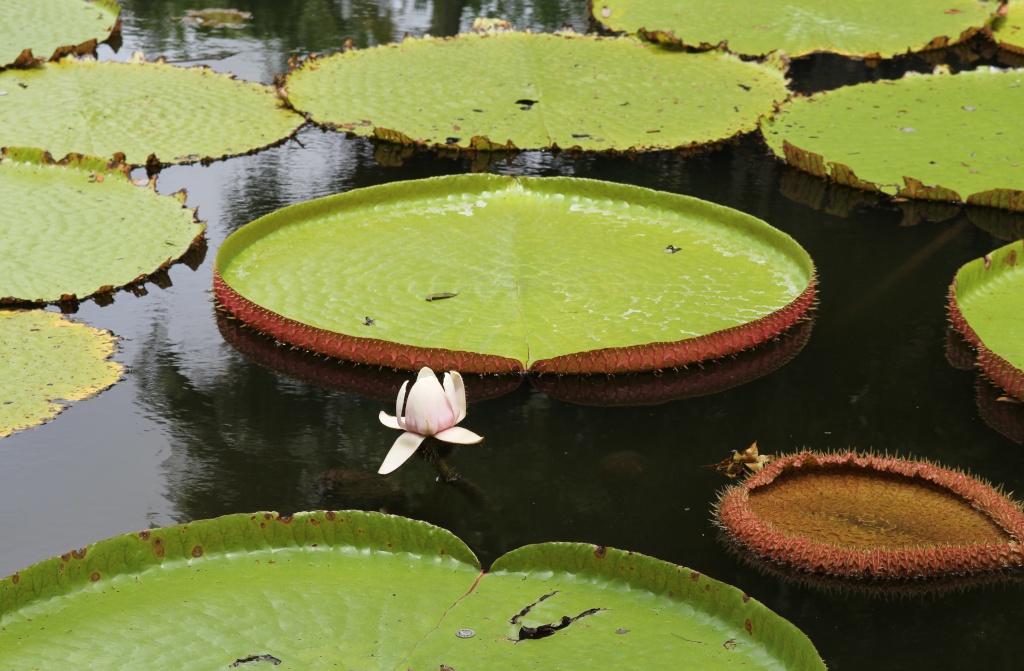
(389, 421)
(456, 392)
(400, 405)
(400, 452)
(459, 435)
(427, 411)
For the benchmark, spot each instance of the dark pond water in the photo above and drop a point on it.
(197, 429)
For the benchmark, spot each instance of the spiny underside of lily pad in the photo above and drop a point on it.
(100, 169)
(662, 386)
(640, 358)
(994, 548)
(369, 381)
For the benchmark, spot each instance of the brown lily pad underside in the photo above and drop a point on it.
(870, 518)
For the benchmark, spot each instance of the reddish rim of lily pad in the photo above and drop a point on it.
(995, 367)
(649, 357)
(635, 389)
(380, 384)
(764, 541)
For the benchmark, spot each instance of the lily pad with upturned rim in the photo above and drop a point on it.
(866, 28)
(40, 29)
(523, 91)
(364, 590)
(79, 227)
(986, 305)
(153, 113)
(935, 137)
(550, 274)
(49, 361)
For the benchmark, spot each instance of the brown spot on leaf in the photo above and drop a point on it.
(746, 598)
(158, 546)
(695, 576)
(329, 515)
(197, 551)
(78, 554)
(66, 556)
(1011, 258)
(144, 535)
(314, 521)
(600, 551)
(15, 578)
(95, 576)
(286, 519)
(748, 626)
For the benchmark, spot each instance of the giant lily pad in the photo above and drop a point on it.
(879, 28)
(486, 273)
(519, 90)
(987, 307)
(937, 137)
(85, 224)
(49, 361)
(362, 590)
(150, 112)
(31, 29)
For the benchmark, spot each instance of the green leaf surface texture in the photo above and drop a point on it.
(799, 27)
(990, 295)
(1009, 31)
(45, 25)
(536, 91)
(48, 361)
(541, 267)
(77, 229)
(355, 590)
(179, 114)
(962, 132)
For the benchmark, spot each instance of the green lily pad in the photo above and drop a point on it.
(362, 590)
(987, 307)
(81, 227)
(31, 29)
(151, 112)
(524, 91)
(878, 29)
(487, 273)
(216, 17)
(49, 361)
(1009, 32)
(936, 137)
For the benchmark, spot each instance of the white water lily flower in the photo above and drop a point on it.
(431, 410)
